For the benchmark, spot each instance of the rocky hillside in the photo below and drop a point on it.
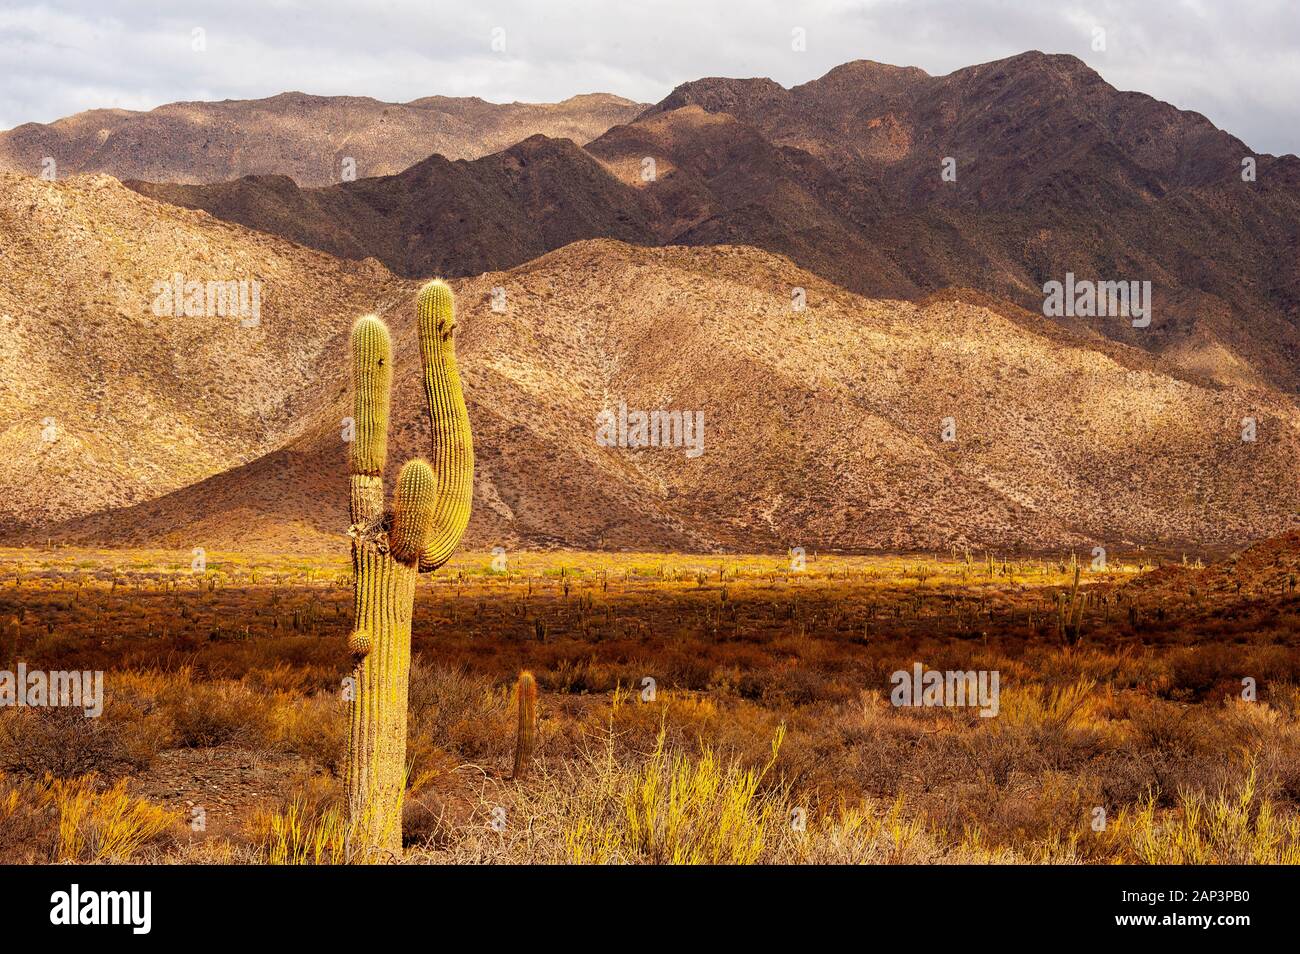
(109, 397)
(823, 428)
(307, 138)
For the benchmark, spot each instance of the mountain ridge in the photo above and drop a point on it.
(823, 426)
(300, 135)
(1054, 171)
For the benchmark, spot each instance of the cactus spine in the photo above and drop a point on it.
(390, 547)
(526, 690)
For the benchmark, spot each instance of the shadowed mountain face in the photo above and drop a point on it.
(1031, 128)
(1053, 171)
(822, 428)
(512, 206)
(307, 138)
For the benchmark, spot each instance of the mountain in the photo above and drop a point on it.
(108, 398)
(304, 137)
(1024, 129)
(1056, 172)
(822, 427)
(439, 216)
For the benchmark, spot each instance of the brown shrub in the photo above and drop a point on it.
(64, 742)
(205, 714)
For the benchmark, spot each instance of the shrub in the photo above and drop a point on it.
(205, 714)
(314, 728)
(65, 743)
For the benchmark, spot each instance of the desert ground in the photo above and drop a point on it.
(691, 708)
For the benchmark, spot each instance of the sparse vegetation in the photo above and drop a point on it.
(215, 698)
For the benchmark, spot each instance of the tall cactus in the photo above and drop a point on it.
(389, 548)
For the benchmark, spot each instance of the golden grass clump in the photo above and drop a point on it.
(303, 834)
(1230, 827)
(103, 826)
(683, 810)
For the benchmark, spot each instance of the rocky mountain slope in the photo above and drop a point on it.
(823, 428)
(304, 137)
(106, 397)
(1056, 172)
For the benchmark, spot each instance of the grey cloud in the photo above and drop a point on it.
(1236, 62)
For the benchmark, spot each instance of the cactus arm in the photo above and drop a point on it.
(453, 447)
(372, 372)
(413, 512)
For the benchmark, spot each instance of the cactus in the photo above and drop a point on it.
(16, 627)
(1069, 611)
(527, 693)
(390, 547)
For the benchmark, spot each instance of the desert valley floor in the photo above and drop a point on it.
(726, 709)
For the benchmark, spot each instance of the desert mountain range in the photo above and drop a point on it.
(304, 137)
(583, 287)
(1056, 171)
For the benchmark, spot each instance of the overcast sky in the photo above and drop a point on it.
(1236, 61)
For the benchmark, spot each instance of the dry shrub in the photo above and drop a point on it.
(801, 686)
(207, 714)
(65, 743)
(1163, 727)
(426, 818)
(281, 677)
(1045, 818)
(1249, 726)
(1198, 671)
(453, 710)
(314, 728)
(1050, 727)
(28, 823)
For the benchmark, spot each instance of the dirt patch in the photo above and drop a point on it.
(227, 785)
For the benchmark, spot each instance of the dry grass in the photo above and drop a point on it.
(302, 834)
(78, 820)
(1144, 718)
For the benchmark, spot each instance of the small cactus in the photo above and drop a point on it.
(526, 690)
(390, 547)
(1069, 611)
